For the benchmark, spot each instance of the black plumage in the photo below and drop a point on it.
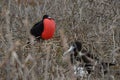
(38, 28)
(77, 53)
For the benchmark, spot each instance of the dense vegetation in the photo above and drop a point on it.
(96, 23)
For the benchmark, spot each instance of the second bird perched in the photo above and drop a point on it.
(87, 59)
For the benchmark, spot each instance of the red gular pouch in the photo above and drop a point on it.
(49, 28)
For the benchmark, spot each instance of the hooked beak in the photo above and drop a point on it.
(69, 50)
